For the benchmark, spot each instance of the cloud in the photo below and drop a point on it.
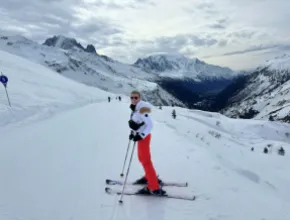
(100, 26)
(203, 7)
(208, 7)
(248, 34)
(217, 26)
(223, 43)
(180, 41)
(118, 4)
(187, 45)
(128, 29)
(41, 19)
(281, 47)
(208, 15)
(251, 49)
(202, 41)
(145, 2)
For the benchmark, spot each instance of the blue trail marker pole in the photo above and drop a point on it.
(4, 81)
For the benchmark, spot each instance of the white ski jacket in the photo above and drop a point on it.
(141, 114)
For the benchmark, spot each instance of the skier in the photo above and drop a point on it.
(109, 98)
(120, 98)
(141, 124)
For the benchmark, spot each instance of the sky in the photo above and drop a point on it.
(240, 34)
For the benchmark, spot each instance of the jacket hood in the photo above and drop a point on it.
(142, 104)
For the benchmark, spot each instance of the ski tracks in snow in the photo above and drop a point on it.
(62, 164)
(227, 163)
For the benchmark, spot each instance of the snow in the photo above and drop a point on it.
(279, 63)
(60, 41)
(55, 167)
(35, 90)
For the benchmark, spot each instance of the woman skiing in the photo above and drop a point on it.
(141, 123)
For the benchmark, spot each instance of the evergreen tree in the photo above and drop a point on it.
(281, 151)
(174, 114)
(271, 118)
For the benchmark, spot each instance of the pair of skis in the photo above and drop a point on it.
(110, 190)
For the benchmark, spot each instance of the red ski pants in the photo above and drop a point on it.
(145, 159)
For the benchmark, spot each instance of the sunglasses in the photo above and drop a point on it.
(134, 97)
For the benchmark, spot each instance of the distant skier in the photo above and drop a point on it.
(109, 98)
(141, 123)
(120, 98)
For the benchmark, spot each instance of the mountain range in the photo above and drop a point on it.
(167, 79)
(70, 59)
(262, 94)
(156, 76)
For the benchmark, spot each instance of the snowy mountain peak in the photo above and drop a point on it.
(177, 65)
(263, 94)
(91, 49)
(162, 62)
(279, 62)
(68, 44)
(16, 39)
(168, 56)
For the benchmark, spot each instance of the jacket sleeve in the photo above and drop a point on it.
(148, 125)
(144, 112)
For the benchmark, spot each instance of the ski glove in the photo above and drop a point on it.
(132, 107)
(137, 138)
(135, 126)
(131, 136)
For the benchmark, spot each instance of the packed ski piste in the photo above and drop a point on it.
(141, 126)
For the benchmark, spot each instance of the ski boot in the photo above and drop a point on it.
(143, 181)
(157, 192)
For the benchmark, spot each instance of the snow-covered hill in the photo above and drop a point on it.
(178, 66)
(69, 58)
(55, 167)
(36, 91)
(264, 94)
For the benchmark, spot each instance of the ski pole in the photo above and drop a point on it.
(122, 173)
(129, 165)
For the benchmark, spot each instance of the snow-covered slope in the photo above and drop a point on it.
(265, 93)
(56, 168)
(69, 58)
(178, 66)
(36, 90)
